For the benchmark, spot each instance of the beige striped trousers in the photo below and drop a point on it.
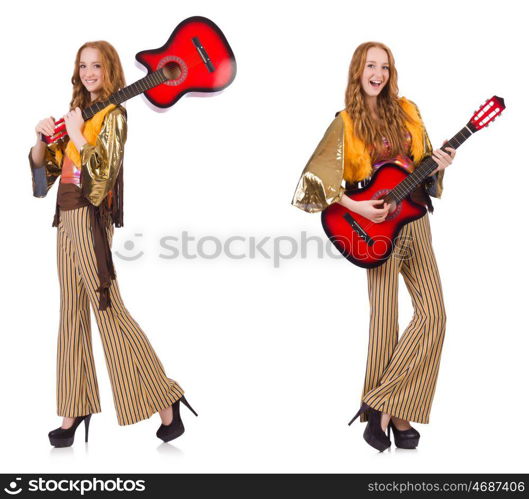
(139, 384)
(401, 373)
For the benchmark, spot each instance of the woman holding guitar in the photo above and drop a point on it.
(89, 203)
(377, 127)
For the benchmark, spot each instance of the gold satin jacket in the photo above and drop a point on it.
(320, 183)
(100, 163)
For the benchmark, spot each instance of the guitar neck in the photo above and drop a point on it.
(426, 167)
(151, 80)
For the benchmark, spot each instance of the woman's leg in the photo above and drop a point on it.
(383, 283)
(77, 389)
(407, 386)
(140, 386)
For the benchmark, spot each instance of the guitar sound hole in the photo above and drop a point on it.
(394, 209)
(172, 70)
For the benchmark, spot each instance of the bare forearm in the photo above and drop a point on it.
(348, 203)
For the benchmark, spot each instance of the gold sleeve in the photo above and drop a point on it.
(320, 182)
(44, 175)
(100, 163)
(434, 184)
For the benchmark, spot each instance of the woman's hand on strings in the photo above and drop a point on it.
(369, 208)
(45, 127)
(374, 210)
(442, 158)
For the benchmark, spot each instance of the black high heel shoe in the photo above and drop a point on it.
(373, 434)
(405, 439)
(176, 428)
(61, 437)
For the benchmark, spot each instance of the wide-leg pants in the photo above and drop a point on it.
(139, 384)
(401, 374)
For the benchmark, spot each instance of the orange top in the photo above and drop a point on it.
(70, 173)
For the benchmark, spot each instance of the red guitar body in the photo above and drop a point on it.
(363, 242)
(205, 59)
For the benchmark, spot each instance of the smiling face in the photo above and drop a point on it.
(91, 71)
(375, 75)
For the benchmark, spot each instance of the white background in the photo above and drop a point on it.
(272, 358)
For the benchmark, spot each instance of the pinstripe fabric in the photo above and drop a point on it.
(401, 374)
(139, 384)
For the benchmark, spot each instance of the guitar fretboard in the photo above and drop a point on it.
(426, 167)
(138, 87)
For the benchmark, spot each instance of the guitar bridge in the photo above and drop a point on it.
(356, 227)
(203, 54)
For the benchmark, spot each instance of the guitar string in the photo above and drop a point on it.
(427, 165)
(465, 133)
(408, 184)
(156, 75)
(413, 181)
(450, 143)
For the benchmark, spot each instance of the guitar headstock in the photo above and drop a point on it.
(487, 113)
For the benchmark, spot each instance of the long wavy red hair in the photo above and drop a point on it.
(113, 76)
(391, 116)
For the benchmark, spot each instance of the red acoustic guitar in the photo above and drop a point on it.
(195, 58)
(369, 244)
